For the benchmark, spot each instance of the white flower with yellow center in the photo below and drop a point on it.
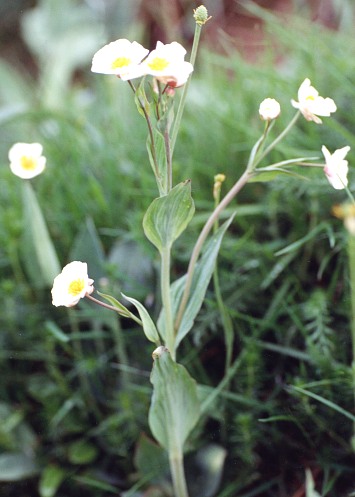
(118, 57)
(26, 160)
(72, 284)
(166, 63)
(336, 168)
(311, 104)
(269, 109)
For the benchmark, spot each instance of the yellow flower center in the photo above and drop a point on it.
(28, 163)
(310, 97)
(158, 64)
(120, 62)
(76, 287)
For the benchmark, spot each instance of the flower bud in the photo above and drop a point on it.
(269, 109)
(201, 15)
(218, 180)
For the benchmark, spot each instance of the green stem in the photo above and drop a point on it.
(277, 139)
(112, 308)
(169, 172)
(226, 319)
(152, 141)
(203, 235)
(166, 301)
(198, 29)
(178, 474)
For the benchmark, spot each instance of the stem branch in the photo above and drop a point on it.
(203, 235)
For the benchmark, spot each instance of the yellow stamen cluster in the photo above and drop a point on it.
(76, 287)
(28, 163)
(158, 64)
(120, 62)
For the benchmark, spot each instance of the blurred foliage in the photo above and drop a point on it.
(75, 387)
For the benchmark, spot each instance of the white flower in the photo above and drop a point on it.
(311, 104)
(166, 63)
(71, 285)
(118, 57)
(26, 160)
(269, 109)
(336, 168)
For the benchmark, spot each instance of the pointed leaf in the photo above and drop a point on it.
(121, 309)
(149, 328)
(175, 408)
(159, 161)
(37, 231)
(151, 459)
(202, 276)
(50, 481)
(168, 216)
(141, 100)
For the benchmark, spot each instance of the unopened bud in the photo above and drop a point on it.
(218, 180)
(201, 15)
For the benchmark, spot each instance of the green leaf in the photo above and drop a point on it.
(141, 100)
(121, 309)
(16, 466)
(82, 452)
(175, 408)
(50, 481)
(266, 176)
(149, 328)
(56, 332)
(151, 459)
(202, 276)
(168, 216)
(37, 233)
(159, 161)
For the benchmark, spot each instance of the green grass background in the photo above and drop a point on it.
(75, 387)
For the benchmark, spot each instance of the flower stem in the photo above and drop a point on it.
(198, 29)
(166, 301)
(152, 142)
(178, 474)
(203, 235)
(112, 308)
(277, 139)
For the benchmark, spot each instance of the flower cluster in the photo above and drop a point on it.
(131, 60)
(311, 105)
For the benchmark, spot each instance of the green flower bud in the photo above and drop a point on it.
(201, 15)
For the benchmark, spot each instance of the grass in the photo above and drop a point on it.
(75, 385)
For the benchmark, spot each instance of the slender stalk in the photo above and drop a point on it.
(169, 172)
(152, 140)
(166, 301)
(226, 319)
(112, 308)
(278, 138)
(203, 235)
(178, 474)
(198, 29)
